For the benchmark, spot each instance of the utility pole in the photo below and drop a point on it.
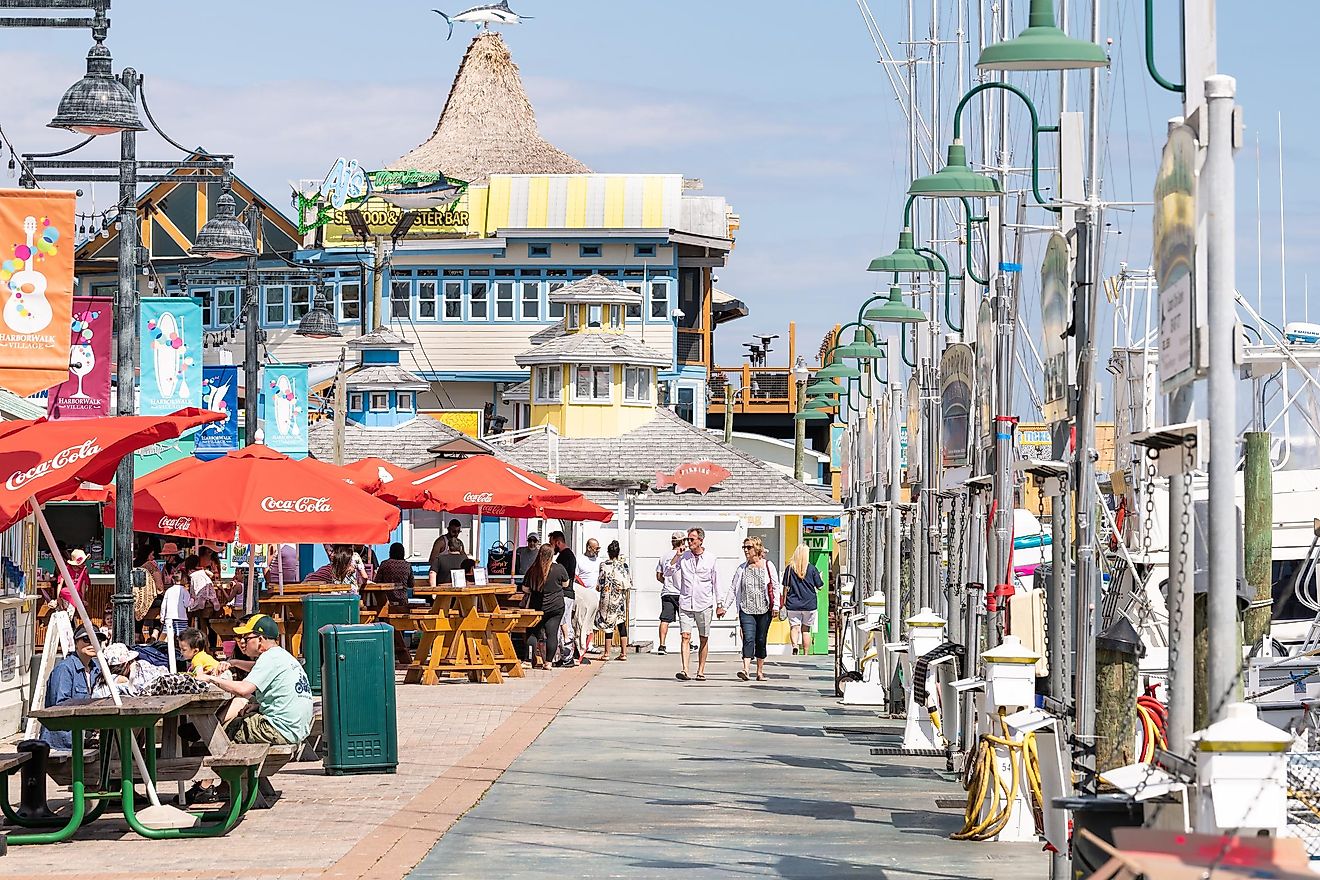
(1225, 660)
(126, 344)
(252, 334)
(378, 284)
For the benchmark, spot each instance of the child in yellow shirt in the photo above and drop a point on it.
(192, 645)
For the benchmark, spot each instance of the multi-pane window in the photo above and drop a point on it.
(300, 301)
(531, 301)
(426, 301)
(592, 382)
(553, 310)
(208, 308)
(400, 296)
(350, 301)
(380, 401)
(479, 301)
(454, 300)
(637, 384)
(659, 299)
(406, 401)
(503, 300)
(274, 308)
(635, 309)
(549, 384)
(225, 298)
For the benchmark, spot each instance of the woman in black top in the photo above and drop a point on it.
(397, 571)
(545, 583)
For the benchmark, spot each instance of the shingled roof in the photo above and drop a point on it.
(592, 347)
(410, 445)
(661, 445)
(488, 125)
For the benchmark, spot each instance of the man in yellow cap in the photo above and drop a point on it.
(279, 710)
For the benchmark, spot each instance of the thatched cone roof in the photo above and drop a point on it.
(488, 125)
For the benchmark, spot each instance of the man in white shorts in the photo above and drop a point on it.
(698, 599)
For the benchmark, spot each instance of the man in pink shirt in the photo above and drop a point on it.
(698, 598)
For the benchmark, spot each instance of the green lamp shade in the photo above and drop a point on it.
(904, 259)
(956, 180)
(811, 415)
(861, 348)
(836, 370)
(895, 311)
(1042, 46)
(826, 386)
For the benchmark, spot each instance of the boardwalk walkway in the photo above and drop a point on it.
(641, 775)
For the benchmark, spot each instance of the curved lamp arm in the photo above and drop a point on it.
(902, 334)
(1036, 130)
(1160, 81)
(970, 217)
(955, 326)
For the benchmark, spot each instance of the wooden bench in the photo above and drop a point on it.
(12, 761)
(240, 755)
(275, 759)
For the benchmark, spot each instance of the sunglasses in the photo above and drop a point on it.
(748, 547)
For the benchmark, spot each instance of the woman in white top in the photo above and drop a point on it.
(756, 596)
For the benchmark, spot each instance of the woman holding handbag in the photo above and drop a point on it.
(614, 583)
(756, 596)
(801, 582)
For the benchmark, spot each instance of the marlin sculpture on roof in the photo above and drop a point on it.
(484, 16)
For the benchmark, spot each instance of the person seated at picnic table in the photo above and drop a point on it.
(192, 647)
(398, 572)
(279, 708)
(131, 674)
(73, 678)
(444, 565)
(339, 570)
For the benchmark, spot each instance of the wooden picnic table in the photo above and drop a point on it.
(466, 632)
(236, 765)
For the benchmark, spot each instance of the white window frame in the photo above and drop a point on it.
(548, 384)
(652, 300)
(453, 295)
(383, 396)
(523, 301)
(573, 316)
(341, 302)
(485, 286)
(428, 293)
(506, 294)
(407, 401)
(294, 292)
(616, 317)
(594, 396)
(553, 310)
(355, 401)
(595, 315)
(225, 314)
(272, 295)
(637, 382)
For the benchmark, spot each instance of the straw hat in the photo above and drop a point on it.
(169, 548)
(77, 557)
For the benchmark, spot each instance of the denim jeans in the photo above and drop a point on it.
(755, 630)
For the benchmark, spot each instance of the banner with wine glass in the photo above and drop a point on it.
(219, 394)
(36, 284)
(284, 389)
(85, 393)
(170, 335)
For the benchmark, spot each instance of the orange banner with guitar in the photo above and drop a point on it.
(36, 288)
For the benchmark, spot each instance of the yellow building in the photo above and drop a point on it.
(592, 378)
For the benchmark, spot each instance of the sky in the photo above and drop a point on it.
(780, 107)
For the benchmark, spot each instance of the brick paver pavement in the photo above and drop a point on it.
(454, 740)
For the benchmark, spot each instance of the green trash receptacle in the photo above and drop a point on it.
(357, 703)
(320, 609)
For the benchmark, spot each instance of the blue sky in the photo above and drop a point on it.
(779, 106)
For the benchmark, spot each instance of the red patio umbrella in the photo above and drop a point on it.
(45, 459)
(388, 481)
(483, 484)
(334, 471)
(259, 496)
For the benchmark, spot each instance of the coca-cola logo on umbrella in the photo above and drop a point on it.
(61, 459)
(478, 498)
(175, 523)
(305, 504)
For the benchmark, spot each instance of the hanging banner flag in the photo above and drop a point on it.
(85, 393)
(171, 339)
(219, 394)
(36, 283)
(284, 388)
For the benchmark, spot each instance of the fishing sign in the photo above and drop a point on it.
(701, 475)
(36, 284)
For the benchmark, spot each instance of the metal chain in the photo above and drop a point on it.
(905, 579)
(1148, 503)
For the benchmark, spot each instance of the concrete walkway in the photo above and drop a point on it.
(641, 775)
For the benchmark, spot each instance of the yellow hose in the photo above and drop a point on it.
(986, 782)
